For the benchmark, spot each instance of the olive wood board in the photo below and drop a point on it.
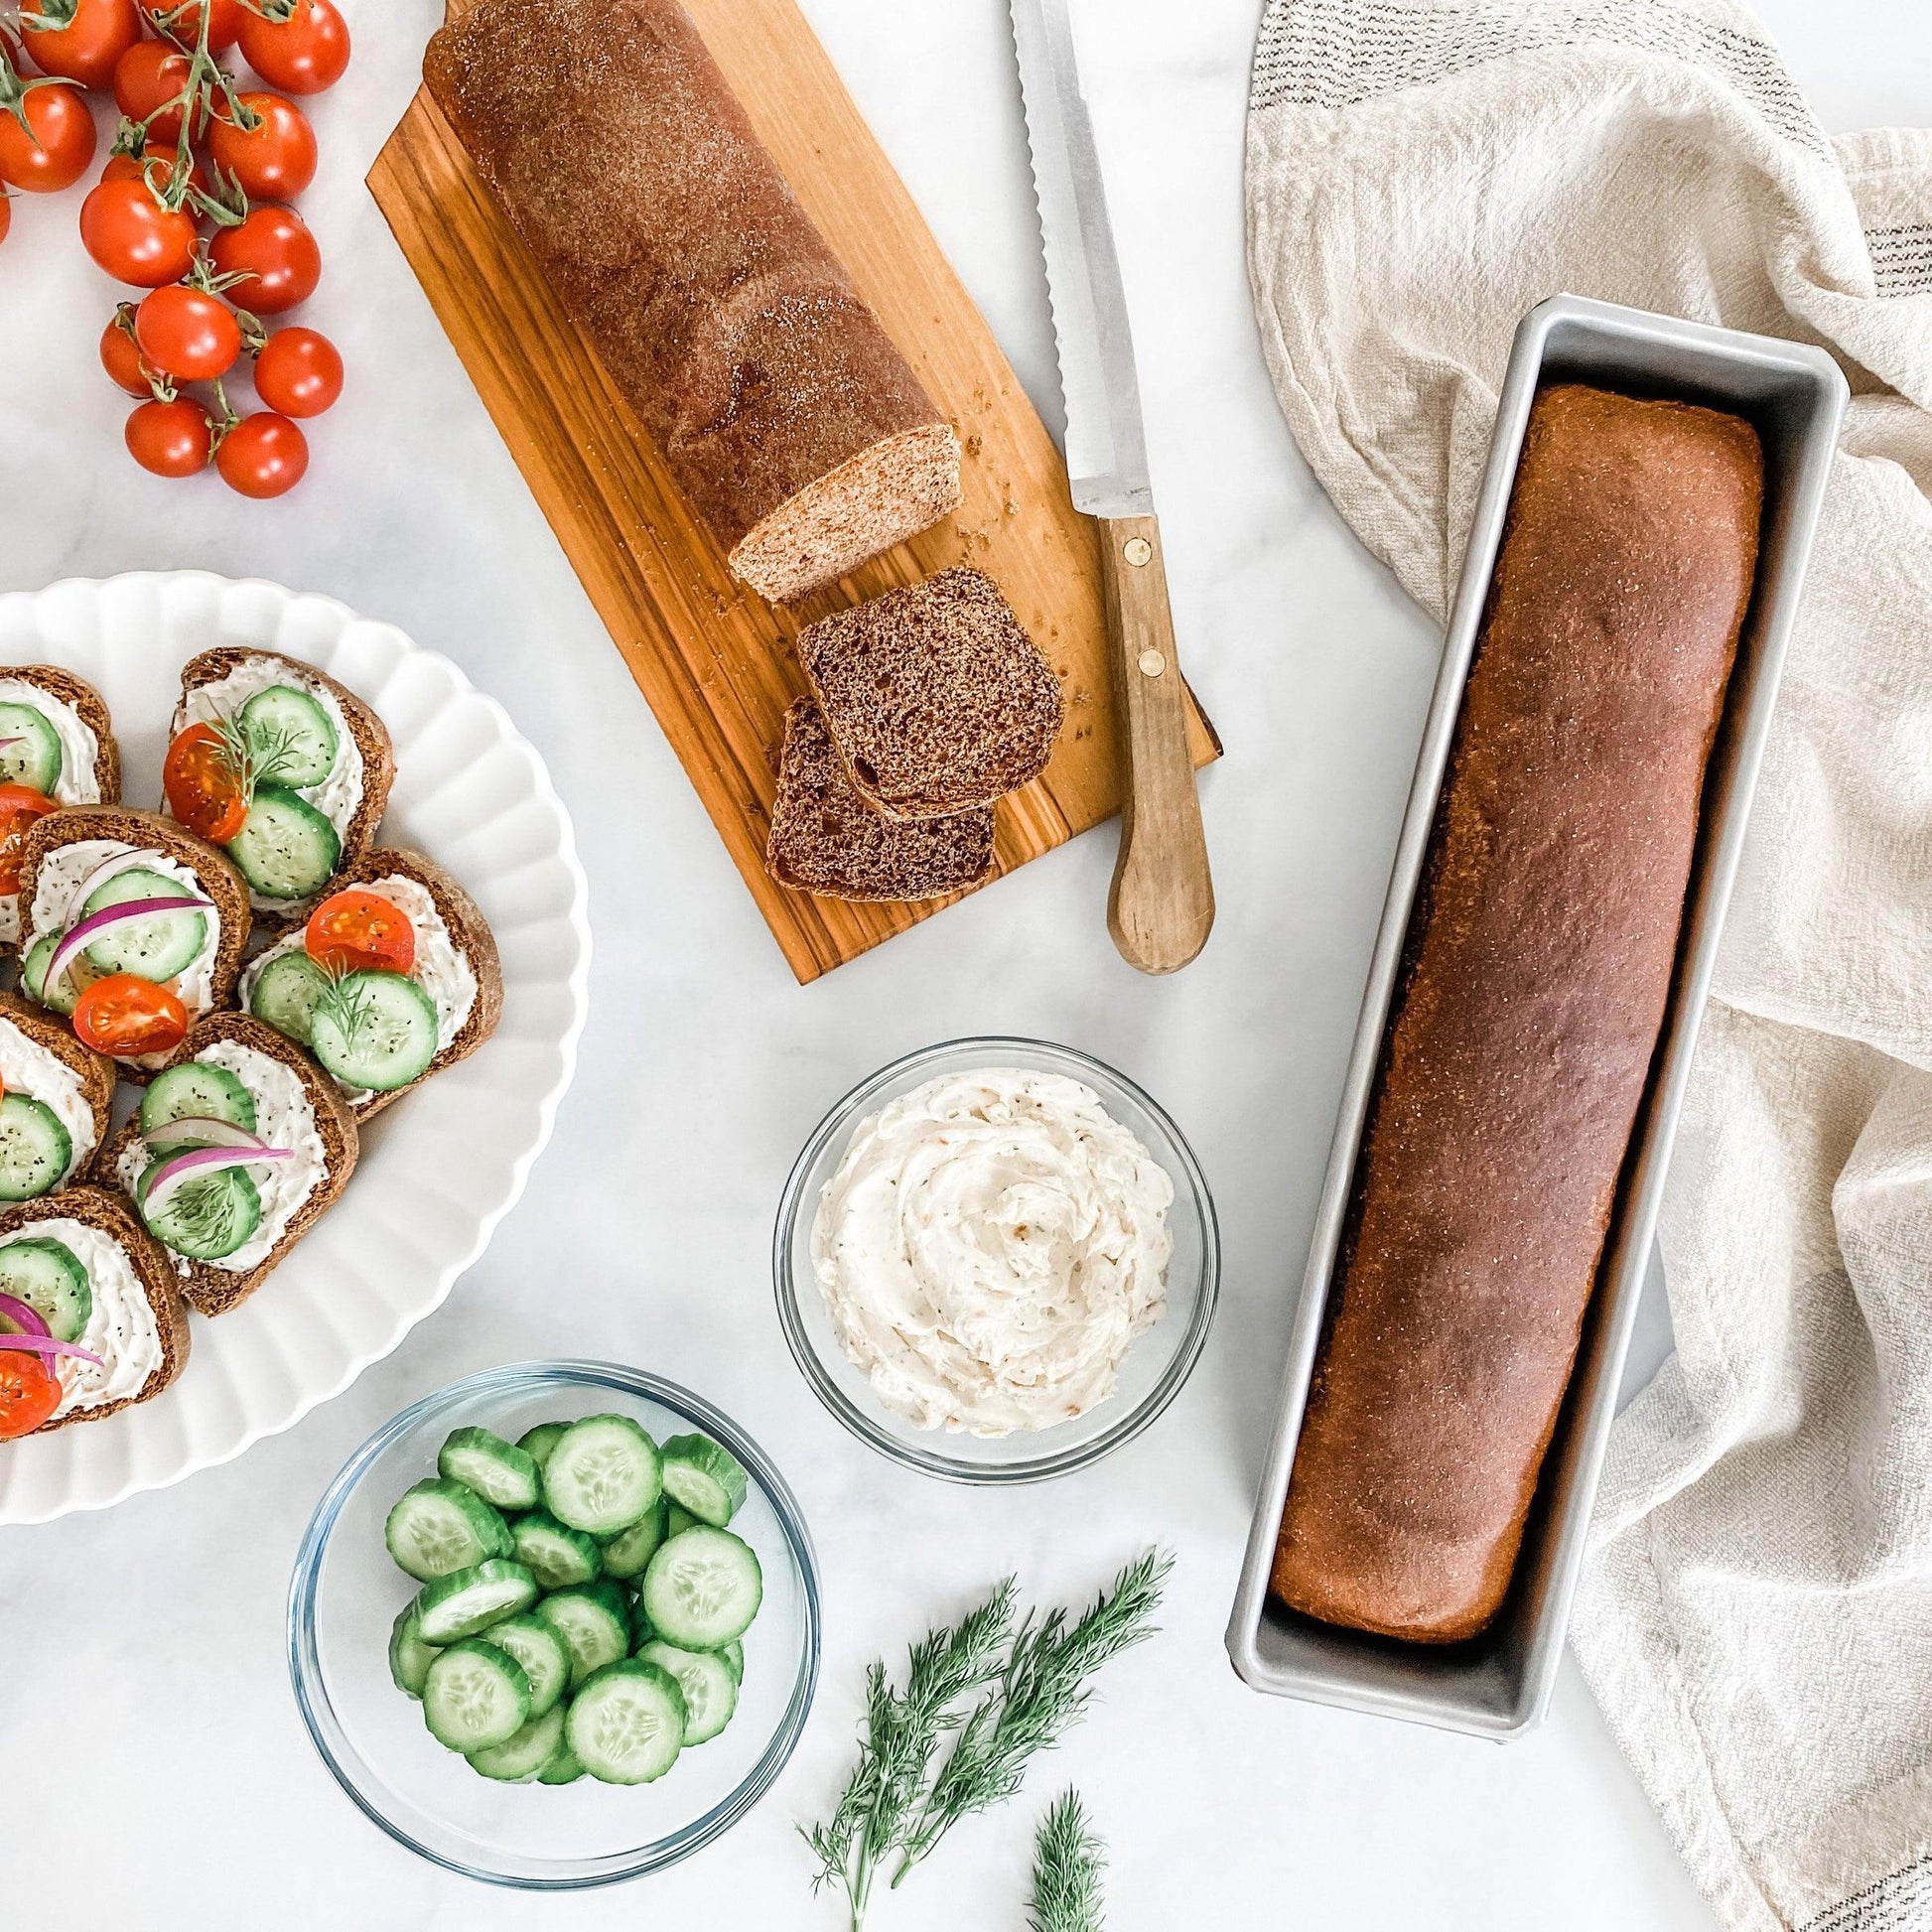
(717, 664)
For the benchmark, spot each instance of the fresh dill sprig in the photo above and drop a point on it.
(1068, 1860)
(257, 753)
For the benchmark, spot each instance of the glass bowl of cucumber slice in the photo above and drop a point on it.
(556, 1625)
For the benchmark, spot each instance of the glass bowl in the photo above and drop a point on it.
(345, 1593)
(1156, 1366)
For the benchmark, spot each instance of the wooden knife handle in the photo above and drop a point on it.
(1162, 905)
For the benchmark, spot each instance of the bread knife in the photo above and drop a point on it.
(1161, 907)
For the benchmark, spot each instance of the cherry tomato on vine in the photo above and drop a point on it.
(133, 237)
(298, 372)
(274, 248)
(356, 931)
(53, 150)
(80, 40)
(160, 160)
(300, 47)
(199, 779)
(120, 357)
(183, 18)
(125, 1015)
(21, 806)
(275, 160)
(148, 75)
(170, 438)
(30, 1392)
(188, 333)
(264, 455)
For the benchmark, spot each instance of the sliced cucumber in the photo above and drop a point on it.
(543, 1654)
(467, 1601)
(537, 1443)
(710, 1690)
(194, 1091)
(35, 1151)
(159, 947)
(375, 1030)
(48, 1276)
(707, 1480)
(519, 1759)
(627, 1553)
(286, 849)
(34, 759)
(487, 1464)
(602, 1475)
(438, 1527)
(627, 1724)
(290, 735)
(207, 1219)
(475, 1696)
(553, 1552)
(33, 977)
(563, 1767)
(678, 1519)
(594, 1620)
(734, 1656)
(703, 1588)
(409, 1656)
(285, 992)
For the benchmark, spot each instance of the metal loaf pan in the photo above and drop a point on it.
(1498, 1685)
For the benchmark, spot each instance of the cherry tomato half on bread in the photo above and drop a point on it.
(53, 149)
(183, 18)
(298, 372)
(30, 1392)
(264, 455)
(170, 438)
(133, 237)
(274, 159)
(188, 333)
(354, 931)
(80, 39)
(273, 248)
(125, 1015)
(298, 46)
(148, 76)
(203, 789)
(21, 807)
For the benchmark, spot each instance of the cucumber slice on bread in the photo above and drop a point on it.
(161, 946)
(34, 759)
(36, 1151)
(205, 1219)
(63, 996)
(286, 993)
(375, 1031)
(286, 849)
(48, 1276)
(291, 734)
(194, 1091)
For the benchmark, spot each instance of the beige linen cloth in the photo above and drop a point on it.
(1757, 1615)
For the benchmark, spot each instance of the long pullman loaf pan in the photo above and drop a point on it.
(1498, 1684)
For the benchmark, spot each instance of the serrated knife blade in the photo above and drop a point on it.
(1106, 445)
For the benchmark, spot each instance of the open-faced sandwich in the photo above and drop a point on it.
(56, 747)
(134, 930)
(394, 976)
(241, 1144)
(90, 1317)
(284, 768)
(55, 1097)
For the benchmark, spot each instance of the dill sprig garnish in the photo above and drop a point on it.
(1068, 1860)
(258, 753)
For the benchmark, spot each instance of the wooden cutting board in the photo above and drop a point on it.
(717, 664)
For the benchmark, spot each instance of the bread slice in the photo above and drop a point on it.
(209, 1286)
(469, 933)
(22, 1023)
(145, 831)
(935, 697)
(828, 839)
(369, 733)
(97, 1207)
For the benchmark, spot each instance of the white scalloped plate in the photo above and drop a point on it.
(439, 1171)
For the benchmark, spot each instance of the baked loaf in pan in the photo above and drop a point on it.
(618, 153)
(1537, 972)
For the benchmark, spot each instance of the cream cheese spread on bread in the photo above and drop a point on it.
(990, 1247)
(78, 782)
(122, 1330)
(28, 1067)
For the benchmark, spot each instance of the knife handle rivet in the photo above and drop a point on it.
(1152, 663)
(1139, 553)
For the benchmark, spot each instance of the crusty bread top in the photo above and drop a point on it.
(91, 707)
(935, 697)
(95, 1071)
(110, 1212)
(826, 838)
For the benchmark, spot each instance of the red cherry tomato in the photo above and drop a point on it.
(147, 78)
(156, 159)
(181, 18)
(264, 455)
(170, 438)
(133, 237)
(354, 931)
(6, 213)
(125, 1015)
(302, 50)
(120, 355)
(188, 333)
(201, 787)
(92, 34)
(298, 372)
(30, 1392)
(53, 149)
(21, 809)
(275, 160)
(275, 250)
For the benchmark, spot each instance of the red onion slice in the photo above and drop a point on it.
(94, 924)
(5, 741)
(23, 1314)
(120, 862)
(203, 1130)
(47, 1345)
(179, 1169)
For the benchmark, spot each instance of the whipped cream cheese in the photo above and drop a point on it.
(122, 1330)
(988, 1249)
(78, 783)
(340, 796)
(283, 1118)
(26, 1066)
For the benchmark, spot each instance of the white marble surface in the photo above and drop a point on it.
(153, 1769)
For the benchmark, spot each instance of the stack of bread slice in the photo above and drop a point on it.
(928, 704)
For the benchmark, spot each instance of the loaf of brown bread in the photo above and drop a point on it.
(633, 177)
(1536, 975)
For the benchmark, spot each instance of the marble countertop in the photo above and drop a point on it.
(153, 1760)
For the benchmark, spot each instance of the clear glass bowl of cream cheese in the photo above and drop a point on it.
(996, 1260)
